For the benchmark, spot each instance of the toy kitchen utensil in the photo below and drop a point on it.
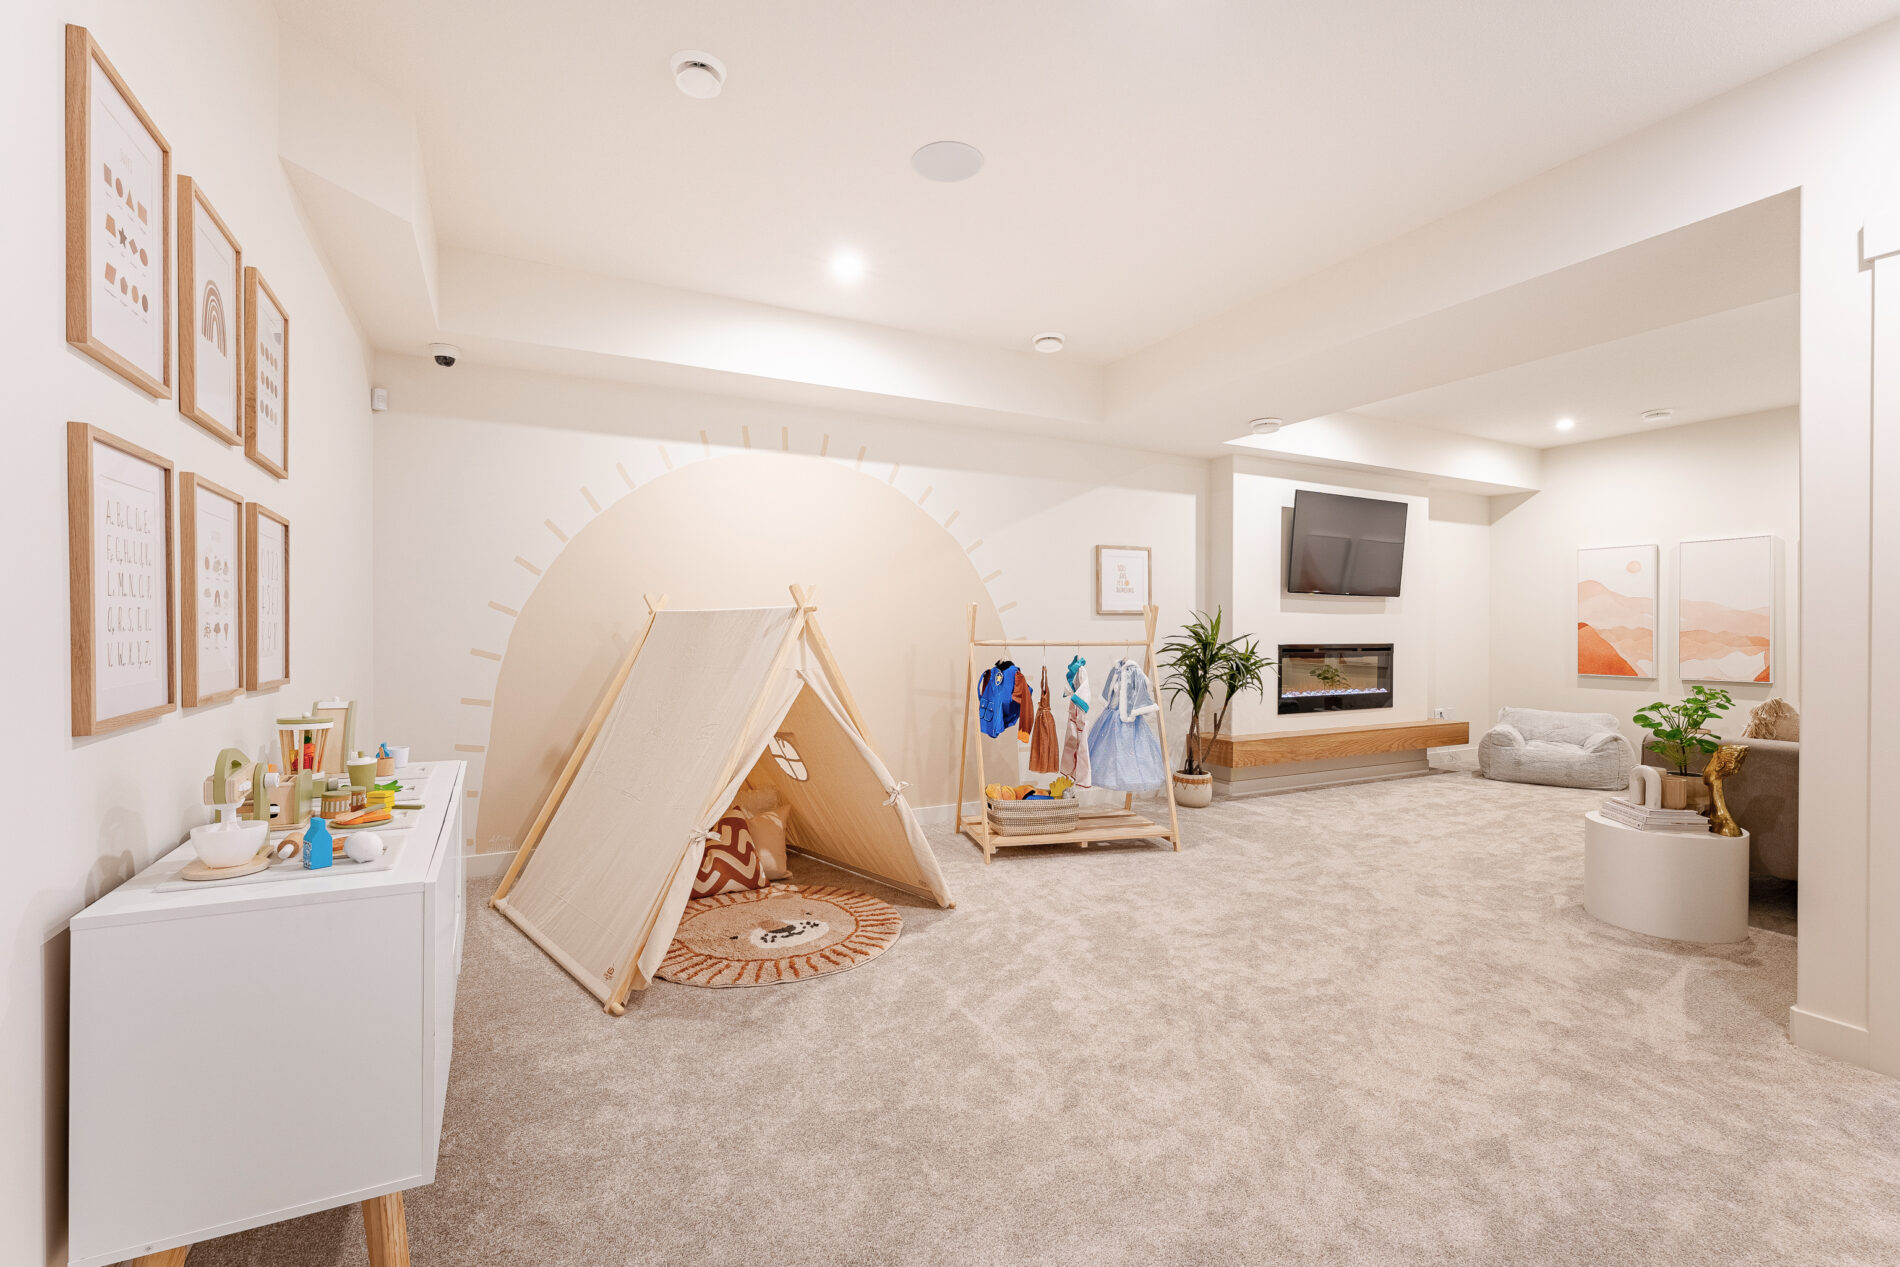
(227, 845)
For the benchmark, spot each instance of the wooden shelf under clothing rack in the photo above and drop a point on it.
(1126, 825)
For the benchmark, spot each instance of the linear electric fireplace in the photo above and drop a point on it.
(1336, 676)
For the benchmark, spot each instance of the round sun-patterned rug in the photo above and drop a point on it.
(787, 932)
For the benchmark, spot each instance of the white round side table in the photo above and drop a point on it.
(1684, 885)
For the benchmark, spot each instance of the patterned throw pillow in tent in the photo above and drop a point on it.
(731, 864)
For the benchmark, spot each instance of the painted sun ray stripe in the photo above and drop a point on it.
(745, 436)
(556, 530)
(705, 443)
(471, 747)
(666, 457)
(992, 576)
(486, 655)
(1005, 607)
(503, 608)
(824, 446)
(861, 451)
(478, 703)
(588, 494)
(971, 548)
(524, 563)
(925, 495)
(624, 477)
(785, 439)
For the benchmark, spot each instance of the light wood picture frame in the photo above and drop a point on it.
(211, 586)
(1124, 580)
(266, 598)
(118, 223)
(210, 335)
(119, 508)
(266, 376)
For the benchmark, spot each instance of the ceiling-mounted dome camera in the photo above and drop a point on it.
(445, 354)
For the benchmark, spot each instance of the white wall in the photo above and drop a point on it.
(1257, 501)
(1460, 535)
(1725, 478)
(87, 813)
(516, 465)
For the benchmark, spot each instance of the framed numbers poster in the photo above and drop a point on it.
(210, 538)
(267, 598)
(119, 502)
(1123, 585)
(118, 223)
(210, 341)
(267, 377)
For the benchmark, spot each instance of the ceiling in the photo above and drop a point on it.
(1151, 163)
(1740, 361)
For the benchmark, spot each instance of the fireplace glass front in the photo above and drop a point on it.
(1321, 679)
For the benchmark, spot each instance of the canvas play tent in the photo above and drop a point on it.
(705, 702)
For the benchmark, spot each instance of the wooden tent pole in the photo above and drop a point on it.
(581, 749)
(628, 981)
(963, 743)
(1153, 615)
(822, 649)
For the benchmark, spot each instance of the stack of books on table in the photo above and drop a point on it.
(1626, 813)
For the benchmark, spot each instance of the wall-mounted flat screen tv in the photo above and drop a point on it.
(1345, 545)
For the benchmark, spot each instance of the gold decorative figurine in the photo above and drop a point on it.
(1726, 761)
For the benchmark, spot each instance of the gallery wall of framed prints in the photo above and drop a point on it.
(210, 338)
(267, 598)
(119, 506)
(118, 223)
(267, 386)
(211, 545)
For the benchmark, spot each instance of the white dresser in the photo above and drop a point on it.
(250, 1052)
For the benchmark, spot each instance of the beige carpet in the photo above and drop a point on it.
(1361, 1025)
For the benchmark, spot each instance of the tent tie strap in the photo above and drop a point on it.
(710, 837)
(895, 792)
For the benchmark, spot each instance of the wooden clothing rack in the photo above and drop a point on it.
(1124, 825)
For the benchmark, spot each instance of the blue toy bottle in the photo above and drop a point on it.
(318, 845)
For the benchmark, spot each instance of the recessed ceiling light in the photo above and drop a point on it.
(1048, 342)
(847, 266)
(1266, 426)
(1658, 415)
(699, 75)
(1565, 424)
(947, 161)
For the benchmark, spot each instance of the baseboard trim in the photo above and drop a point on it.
(486, 866)
(1839, 1039)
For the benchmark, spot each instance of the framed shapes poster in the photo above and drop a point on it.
(119, 500)
(267, 377)
(266, 598)
(118, 223)
(1726, 625)
(1123, 586)
(210, 539)
(1616, 611)
(210, 342)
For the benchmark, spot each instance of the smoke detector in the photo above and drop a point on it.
(1266, 426)
(947, 161)
(1653, 416)
(699, 75)
(1049, 341)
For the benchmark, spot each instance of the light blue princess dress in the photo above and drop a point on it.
(1124, 752)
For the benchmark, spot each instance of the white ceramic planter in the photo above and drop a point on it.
(1195, 791)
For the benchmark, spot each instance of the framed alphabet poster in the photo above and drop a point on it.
(210, 341)
(1123, 586)
(267, 377)
(211, 578)
(119, 504)
(118, 223)
(266, 598)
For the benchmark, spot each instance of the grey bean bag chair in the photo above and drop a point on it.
(1530, 745)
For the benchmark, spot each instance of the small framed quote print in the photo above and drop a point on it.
(119, 503)
(118, 222)
(266, 598)
(1123, 586)
(210, 341)
(211, 541)
(267, 377)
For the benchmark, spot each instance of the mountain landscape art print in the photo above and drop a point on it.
(1616, 611)
(1726, 626)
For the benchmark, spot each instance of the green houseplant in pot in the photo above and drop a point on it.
(1200, 666)
(1679, 734)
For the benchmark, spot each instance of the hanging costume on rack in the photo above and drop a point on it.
(1025, 708)
(1045, 750)
(1075, 739)
(1123, 751)
(996, 700)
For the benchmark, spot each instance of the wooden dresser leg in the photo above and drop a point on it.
(163, 1258)
(386, 1231)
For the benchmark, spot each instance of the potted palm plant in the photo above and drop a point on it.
(1198, 664)
(1679, 733)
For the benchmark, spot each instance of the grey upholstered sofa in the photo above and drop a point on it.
(1764, 796)
(1530, 745)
